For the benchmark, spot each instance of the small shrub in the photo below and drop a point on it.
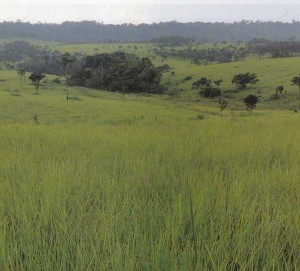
(188, 78)
(173, 92)
(16, 93)
(275, 97)
(200, 117)
(210, 92)
(56, 80)
(164, 68)
(74, 98)
(222, 105)
(202, 83)
(279, 89)
(35, 118)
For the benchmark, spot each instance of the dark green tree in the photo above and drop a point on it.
(222, 105)
(250, 102)
(241, 80)
(36, 80)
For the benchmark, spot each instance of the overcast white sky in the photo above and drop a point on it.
(148, 11)
(146, 2)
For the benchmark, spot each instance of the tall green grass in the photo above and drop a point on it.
(117, 196)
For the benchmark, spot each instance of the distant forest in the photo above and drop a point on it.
(91, 31)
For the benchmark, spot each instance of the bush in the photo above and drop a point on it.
(56, 80)
(188, 78)
(200, 117)
(210, 92)
(173, 92)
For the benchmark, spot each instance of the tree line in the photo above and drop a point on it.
(92, 31)
(231, 52)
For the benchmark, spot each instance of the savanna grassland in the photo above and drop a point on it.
(150, 182)
(271, 72)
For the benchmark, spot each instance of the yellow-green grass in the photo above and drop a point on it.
(271, 73)
(144, 184)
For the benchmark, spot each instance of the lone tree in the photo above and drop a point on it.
(250, 101)
(218, 82)
(36, 80)
(65, 63)
(243, 79)
(222, 105)
(22, 74)
(296, 81)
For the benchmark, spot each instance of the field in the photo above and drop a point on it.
(150, 182)
(145, 183)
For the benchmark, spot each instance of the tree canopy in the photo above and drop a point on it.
(118, 72)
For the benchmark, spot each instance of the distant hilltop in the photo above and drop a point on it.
(94, 32)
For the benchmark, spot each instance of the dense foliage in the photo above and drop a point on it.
(118, 72)
(19, 50)
(275, 48)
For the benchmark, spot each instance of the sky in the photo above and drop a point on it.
(149, 11)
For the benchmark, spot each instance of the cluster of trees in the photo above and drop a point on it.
(209, 88)
(231, 52)
(25, 56)
(171, 41)
(198, 56)
(91, 31)
(250, 101)
(18, 50)
(117, 72)
(275, 48)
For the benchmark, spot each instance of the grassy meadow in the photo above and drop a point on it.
(145, 183)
